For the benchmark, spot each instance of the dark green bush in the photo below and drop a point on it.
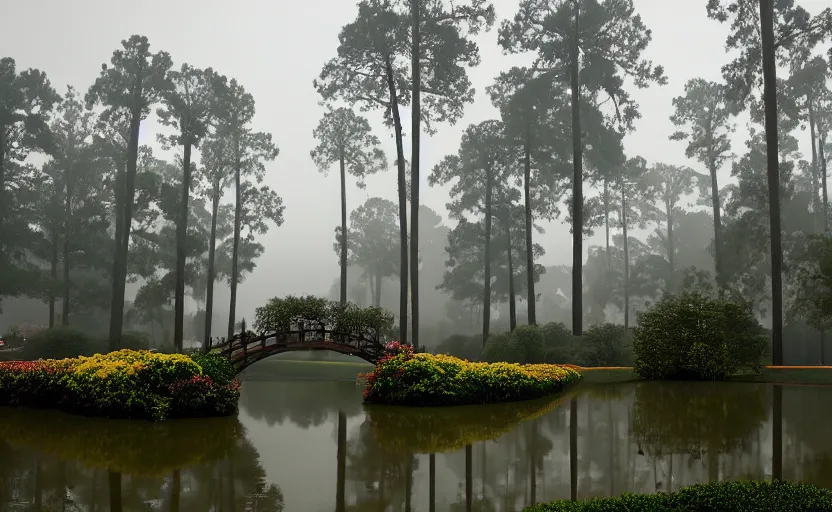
(712, 497)
(134, 341)
(558, 344)
(523, 345)
(61, 343)
(461, 346)
(607, 345)
(215, 366)
(690, 336)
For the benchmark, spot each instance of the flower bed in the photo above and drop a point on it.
(405, 378)
(712, 497)
(124, 384)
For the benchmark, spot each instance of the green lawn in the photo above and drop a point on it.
(287, 369)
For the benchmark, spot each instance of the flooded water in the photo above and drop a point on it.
(312, 446)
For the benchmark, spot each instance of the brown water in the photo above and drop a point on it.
(312, 447)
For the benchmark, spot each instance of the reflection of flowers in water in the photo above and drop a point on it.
(448, 429)
(131, 447)
(702, 419)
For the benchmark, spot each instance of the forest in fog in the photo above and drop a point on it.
(112, 230)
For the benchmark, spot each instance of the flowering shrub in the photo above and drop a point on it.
(404, 378)
(125, 383)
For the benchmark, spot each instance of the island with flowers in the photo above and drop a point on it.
(132, 384)
(402, 377)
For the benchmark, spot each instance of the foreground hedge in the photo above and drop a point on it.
(124, 384)
(405, 378)
(713, 497)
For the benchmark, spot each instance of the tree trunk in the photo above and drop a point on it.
(527, 171)
(823, 185)
(2, 175)
(416, 113)
(238, 211)
(181, 242)
(607, 230)
(53, 243)
(532, 463)
(814, 162)
(125, 218)
(403, 273)
(212, 250)
(343, 262)
(825, 228)
(67, 263)
(720, 282)
(512, 299)
(486, 299)
(340, 495)
(626, 257)
(770, 100)
(378, 289)
(671, 251)
(577, 183)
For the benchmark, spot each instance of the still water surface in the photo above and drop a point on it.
(312, 447)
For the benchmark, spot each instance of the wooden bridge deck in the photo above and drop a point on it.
(246, 348)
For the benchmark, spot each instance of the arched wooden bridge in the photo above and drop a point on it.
(247, 347)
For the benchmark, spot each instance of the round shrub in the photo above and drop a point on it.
(607, 345)
(60, 343)
(461, 346)
(134, 341)
(215, 366)
(499, 349)
(558, 343)
(711, 497)
(690, 336)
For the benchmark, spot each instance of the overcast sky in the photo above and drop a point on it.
(276, 48)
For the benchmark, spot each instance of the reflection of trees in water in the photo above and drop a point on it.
(48, 483)
(378, 478)
(806, 418)
(303, 403)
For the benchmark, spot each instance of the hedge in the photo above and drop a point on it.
(750, 496)
(405, 378)
(123, 384)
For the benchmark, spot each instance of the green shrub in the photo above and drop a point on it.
(523, 345)
(217, 367)
(461, 346)
(712, 497)
(134, 341)
(60, 343)
(558, 344)
(607, 345)
(690, 336)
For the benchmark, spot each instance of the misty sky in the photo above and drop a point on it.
(276, 48)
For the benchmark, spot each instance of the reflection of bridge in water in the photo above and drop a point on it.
(246, 347)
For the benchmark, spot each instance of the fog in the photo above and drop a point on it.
(276, 50)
